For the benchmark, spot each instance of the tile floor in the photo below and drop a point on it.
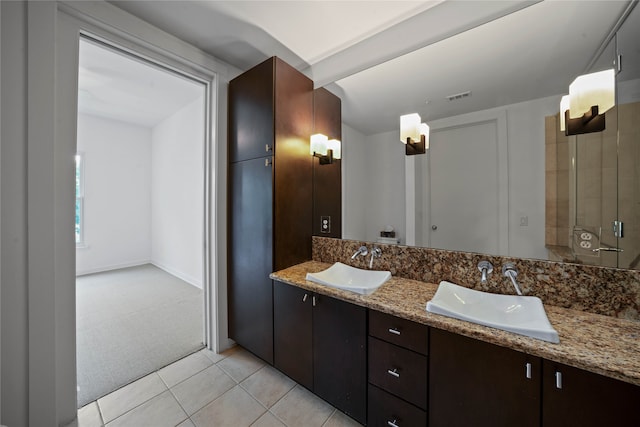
(206, 389)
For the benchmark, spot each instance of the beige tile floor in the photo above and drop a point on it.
(207, 389)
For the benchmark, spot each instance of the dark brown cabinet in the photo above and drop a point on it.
(573, 397)
(327, 179)
(398, 377)
(270, 193)
(320, 342)
(474, 383)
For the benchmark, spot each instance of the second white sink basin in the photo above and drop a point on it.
(522, 315)
(349, 278)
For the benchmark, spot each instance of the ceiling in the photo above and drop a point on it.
(120, 87)
(387, 58)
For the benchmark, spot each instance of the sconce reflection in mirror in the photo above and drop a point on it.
(590, 96)
(325, 149)
(414, 134)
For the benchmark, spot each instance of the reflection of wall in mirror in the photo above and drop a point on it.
(602, 187)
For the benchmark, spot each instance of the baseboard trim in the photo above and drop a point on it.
(193, 281)
(112, 267)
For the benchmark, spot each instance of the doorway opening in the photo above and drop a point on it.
(139, 218)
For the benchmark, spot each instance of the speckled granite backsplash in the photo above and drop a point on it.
(608, 291)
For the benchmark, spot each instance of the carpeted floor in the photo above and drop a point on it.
(131, 322)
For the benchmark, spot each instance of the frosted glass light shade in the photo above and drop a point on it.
(318, 144)
(592, 89)
(410, 127)
(564, 106)
(334, 144)
(424, 130)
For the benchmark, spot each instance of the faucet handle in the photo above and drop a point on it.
(362, 250)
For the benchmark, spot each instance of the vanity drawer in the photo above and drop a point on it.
(405, 333)
(399, 371)
(385, 410)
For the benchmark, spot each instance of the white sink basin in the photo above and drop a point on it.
(349, 278)
(518, 314)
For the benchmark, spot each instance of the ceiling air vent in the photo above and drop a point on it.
(457, 96)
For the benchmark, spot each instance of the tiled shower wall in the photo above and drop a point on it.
(601, 290)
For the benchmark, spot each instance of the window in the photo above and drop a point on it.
(79, 226)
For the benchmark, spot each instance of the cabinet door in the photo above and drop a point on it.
(250, 297)
(473, 383)
(340, 358)
(573, 397)
(292, 317)
(251, 113)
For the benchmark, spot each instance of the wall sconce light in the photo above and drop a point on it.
(590, 96)
(414, 134)
(325, 149)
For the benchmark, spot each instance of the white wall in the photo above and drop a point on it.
(526, 140)
(117, 210)
(382, 179)
(385, 185)
(177, 193)
(354, 181)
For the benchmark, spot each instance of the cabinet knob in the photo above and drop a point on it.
(313, 300)
(528, 370)
(393, 373)
(394, 331)
(305, 297)
(392, 423)
(268, 161)
(268, 148)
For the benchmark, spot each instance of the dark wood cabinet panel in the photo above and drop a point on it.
(473, 383)
(321, 343)
(293, 166)
(585, 399)
(251, 111)
(340, 355)
(327, 179)
(270, 122)
(385, 408)
(250, 242)
(402, 332)
(399, 371)
(292, 324)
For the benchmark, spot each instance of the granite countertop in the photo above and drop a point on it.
(596, 343)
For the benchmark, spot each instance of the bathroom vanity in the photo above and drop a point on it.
(425, 368)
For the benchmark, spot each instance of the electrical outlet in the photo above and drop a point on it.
(585, 236)
(524, 221)
(585, 244)
(325, 224)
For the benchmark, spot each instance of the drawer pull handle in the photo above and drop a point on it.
(393, 373)
(528, 370)
(558, 380)
(304, 298)
(394, 331)
(392, 423)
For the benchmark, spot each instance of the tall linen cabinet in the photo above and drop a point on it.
(270, 193)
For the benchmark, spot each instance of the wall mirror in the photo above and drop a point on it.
(447, 202)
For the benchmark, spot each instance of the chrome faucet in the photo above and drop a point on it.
(509, 270)
(376, 252)
(485, 268)
(362, 250)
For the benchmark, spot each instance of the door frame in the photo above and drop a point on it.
(53, 33)
(414, 173)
